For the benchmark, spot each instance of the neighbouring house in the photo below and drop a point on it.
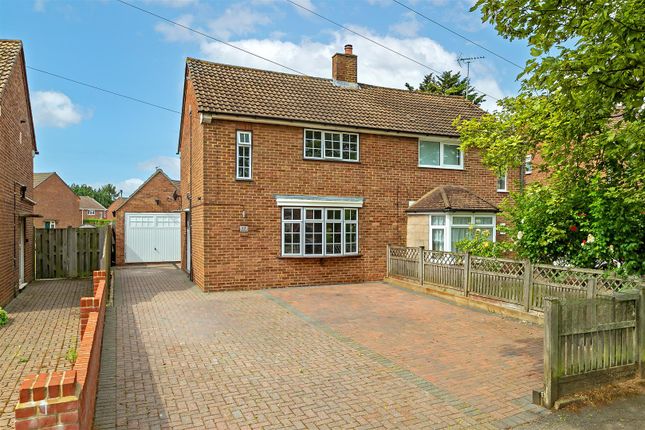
(55, 202)
(17, 150)
(147, 224)
(111, 210)
(92, 209)
(296, 180)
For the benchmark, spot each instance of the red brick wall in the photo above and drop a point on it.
(66, 400)
(145, 200)
(536, 175)
(387, 177)
(55, 201)
(192, 182)
(16, 166)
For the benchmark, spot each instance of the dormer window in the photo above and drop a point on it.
(331, 145)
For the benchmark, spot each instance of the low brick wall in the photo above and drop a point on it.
(65, 400)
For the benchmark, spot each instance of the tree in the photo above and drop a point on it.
(580, 107)
(448, 83)
(105, 194)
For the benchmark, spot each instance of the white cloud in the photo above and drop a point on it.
(170, 165)
(174, 33)
(173, 3)
(237, 20)
(128, 186)
(375, 65)
(408, 27)
(39, 5)
(55, 109)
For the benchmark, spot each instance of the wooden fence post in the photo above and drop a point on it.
(466, 273)
(72, 252)
(640, 324)
(552, 311)
(591, 287)
(421, 264)
(388, 262)
(528, 274)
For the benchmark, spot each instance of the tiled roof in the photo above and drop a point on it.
(225, 89)
(39, 178)
(451, 198)
(117, 203)
(89, 203)
(9, 52)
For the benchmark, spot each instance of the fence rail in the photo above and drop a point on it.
(70, 252)
(510, 281)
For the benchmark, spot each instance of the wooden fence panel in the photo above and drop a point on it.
(591, 341)
(404, 262)
(68, 253)
(499, 279)
(444, 268)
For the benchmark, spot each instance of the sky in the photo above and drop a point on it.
(92, 137)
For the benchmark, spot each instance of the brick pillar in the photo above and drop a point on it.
(97, 276)
(49, 400)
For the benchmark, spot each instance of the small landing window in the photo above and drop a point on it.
(502, 179)
(243, 159)
(50, 224)
(91, 212)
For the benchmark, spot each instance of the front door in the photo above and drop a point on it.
(21, 254)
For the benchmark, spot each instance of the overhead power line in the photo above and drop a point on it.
(458, 34)
(201, 33)
(375, 42)
(114, 93)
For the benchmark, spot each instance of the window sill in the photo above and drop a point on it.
(332, 160)
(309, 257)
(502, 191)
(244, 179)
(441, 167)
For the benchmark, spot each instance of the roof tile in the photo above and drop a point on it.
(450, 198)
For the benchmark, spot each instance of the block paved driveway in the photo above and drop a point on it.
(347, 356)
(44, 323)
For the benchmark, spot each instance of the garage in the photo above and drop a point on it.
(152, 237)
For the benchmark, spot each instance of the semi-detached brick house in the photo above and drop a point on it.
(295, 180)
(90, 208)
(56, 203)
(17, 149)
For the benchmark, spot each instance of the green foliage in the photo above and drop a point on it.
(71, 355)
(97, 221)
(479, 244)
(4, 317)
(105, 194)
(448, 83)
(579, 108)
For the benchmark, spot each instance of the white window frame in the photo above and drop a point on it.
(303, 221)
(52, 224)
(528, 164)
(448, 224)
(91, 212)
(322, 145)
(505, 188)
(442, 143)
(238, 145)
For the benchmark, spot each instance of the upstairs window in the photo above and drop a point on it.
(501, 182)
(243, 159)
(440, 155)
(331, 145)
(528, 164)
(91, 212)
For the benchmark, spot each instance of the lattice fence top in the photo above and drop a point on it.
(562, 276)
(407, 253)
(493, 265)
(614, 284)
(442, 257)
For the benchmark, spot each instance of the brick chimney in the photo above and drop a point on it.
(344, 66)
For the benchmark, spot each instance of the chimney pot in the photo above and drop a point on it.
(348, 49)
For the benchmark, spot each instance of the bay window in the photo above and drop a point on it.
(446, 230)
(319, 232)
(437, 154)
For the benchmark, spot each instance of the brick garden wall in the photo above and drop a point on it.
(387, 177)
(55, 201)
(16, 167)
(66, 400)
(154, 196)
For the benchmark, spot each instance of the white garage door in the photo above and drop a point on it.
(152, 237)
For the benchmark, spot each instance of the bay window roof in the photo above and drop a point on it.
(451, 198)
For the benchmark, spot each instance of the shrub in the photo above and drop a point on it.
(4, 317)
(479, 244)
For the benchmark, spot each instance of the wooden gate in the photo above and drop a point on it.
(70, 252)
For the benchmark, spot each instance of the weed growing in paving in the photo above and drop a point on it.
(4, 317)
